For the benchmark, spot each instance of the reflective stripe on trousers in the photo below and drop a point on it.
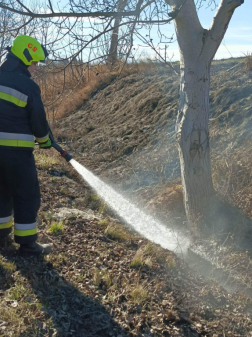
(25, 229)
(16, 140)
(5, 222)
(19, 191)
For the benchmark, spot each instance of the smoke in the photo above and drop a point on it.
(137, 219)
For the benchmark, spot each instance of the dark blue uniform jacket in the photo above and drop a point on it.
(22, 114)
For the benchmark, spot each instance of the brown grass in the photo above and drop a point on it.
(64, 90)
(248, 61)
(117, 233)
(232, 177)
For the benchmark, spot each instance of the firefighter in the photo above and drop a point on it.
(22, 118)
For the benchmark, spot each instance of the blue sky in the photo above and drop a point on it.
(237, 40)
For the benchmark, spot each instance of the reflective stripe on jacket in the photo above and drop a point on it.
(17, 140)
(13, 96)
(22, 114)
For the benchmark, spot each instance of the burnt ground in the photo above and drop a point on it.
(104, 279)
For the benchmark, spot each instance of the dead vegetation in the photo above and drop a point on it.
(248, 61)
(103, 280)
(65, 89)
(98, 284)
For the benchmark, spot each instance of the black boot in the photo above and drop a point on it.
(35, 249)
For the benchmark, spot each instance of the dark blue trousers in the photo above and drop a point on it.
(19, 194)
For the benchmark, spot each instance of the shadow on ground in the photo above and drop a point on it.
(72, 313)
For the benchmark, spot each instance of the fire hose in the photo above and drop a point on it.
(62, 152)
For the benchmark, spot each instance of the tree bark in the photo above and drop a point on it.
(197, 49)
(193, 138)
(112, 57)
(113, 50)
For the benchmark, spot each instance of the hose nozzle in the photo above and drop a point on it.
(66, 155)
(62, 152)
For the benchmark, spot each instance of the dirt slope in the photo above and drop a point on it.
(126, 134)
(126, 131)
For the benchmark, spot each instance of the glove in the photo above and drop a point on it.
(45, 145)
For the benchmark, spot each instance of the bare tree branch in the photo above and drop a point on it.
(22, 5)
(51, 7)
(71, 15)
(18, 28)
(220, 24)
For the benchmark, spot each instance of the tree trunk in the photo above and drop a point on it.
(193, 138)
(113, 50)
(112, 57)
(197, 49)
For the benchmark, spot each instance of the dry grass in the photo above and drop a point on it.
(232, 177)
(107, 279)
(64, 90)
(103, 222)
(116, 232)
(46, 160)
(97, 277)
(138, 260)
(139, 294)
(248, 61)
(154, 251)
(151, 254)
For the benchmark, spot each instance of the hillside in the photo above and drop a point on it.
(125, 132)
(103, 278)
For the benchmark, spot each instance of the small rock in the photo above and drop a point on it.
(13, 304)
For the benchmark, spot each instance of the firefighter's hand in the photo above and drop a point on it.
(45, 145)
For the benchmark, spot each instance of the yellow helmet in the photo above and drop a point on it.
(28, 50)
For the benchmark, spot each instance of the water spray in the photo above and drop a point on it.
(144, 224)
(141, 222)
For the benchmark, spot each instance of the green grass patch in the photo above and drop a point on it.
(45, 161)
(56, 228)
(9, 266)
(103, 207)
(103, 222)
(154, 251)
(139, 294)
(138, 260)
(17, 292)
(92, 197)
(115, 232)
